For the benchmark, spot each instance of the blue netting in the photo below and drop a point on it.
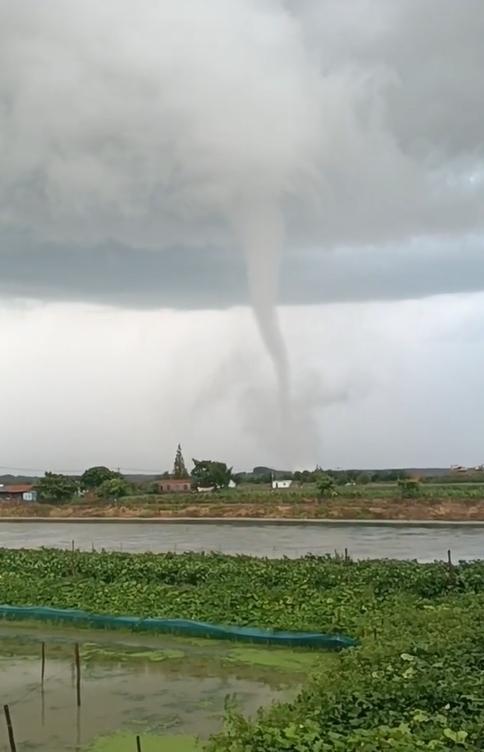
(181, 627)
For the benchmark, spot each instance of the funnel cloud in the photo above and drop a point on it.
(187, 156)
(150, 124)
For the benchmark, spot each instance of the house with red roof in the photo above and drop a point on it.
(17, 492)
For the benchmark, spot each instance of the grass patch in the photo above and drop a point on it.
(150, 743)
(302, 662)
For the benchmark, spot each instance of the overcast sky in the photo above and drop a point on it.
(154, 156)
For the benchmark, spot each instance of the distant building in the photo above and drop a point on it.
(281, 484)
(209, 489)
(18, 492)
(174, 485)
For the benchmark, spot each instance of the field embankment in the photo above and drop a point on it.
(461, 505)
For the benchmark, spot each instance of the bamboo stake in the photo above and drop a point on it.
(11, 737)
(78, 730)
(42, 705)
(138, 744)
(78, 674)
(42, 664)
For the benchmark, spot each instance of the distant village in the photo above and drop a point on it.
(207, 476)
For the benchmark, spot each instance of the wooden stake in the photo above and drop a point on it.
(78, 674)
(42, 705)
(78, 730)
(346, 555)
(42, 664)
(138, 744)
(11, 737)
(449, 559)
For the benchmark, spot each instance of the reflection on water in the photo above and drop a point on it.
(176, 688)
(425, 543)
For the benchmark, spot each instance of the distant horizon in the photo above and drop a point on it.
(36, 472)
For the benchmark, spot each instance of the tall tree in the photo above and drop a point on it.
(207, 473)
(94, 477)
(56, 487)
(179, 468)
(114, 488)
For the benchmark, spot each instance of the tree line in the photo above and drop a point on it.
(104, 483)
(111, 484)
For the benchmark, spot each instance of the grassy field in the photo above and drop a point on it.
(263, 494)
(379, 501)
(415, 682)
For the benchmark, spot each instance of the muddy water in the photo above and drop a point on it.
(363, 540)
(153, 687)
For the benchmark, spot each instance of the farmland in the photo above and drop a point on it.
(415, 682)
(435, 501)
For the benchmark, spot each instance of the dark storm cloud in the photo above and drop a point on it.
(133, 137)
(210, 278)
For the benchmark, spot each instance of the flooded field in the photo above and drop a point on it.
(168, 690)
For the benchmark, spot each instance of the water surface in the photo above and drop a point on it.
(156, 686)
(425, 542)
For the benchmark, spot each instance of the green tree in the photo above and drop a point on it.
(114, 488)
(341, 478)
(208, 473)
(409, 488)
(363, 479)
(179, 469)
(56, 487)
(94, 477)
(326, 485)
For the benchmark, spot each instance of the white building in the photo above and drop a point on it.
(281, 484)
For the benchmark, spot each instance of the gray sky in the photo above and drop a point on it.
(138, 143)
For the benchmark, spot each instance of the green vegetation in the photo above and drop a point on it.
(207, 474)
(260, 494)
(416, 682)
(151, 743)
(409, 488)
(313, 593)
(99, 485)
(180, 471)
(55, 487)
(94, 477)
(326, 485)
(297, 661)
(114, 488)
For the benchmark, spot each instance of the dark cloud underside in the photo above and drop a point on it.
(208, 278)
